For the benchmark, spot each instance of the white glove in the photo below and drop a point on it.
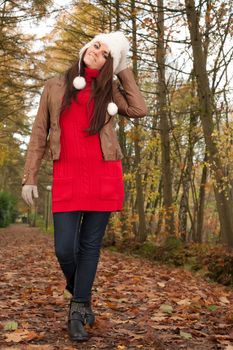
(122, 64)
(27, 191)
(123, 53)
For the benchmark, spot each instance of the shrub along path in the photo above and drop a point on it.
(138, 304)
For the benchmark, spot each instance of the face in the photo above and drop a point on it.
(96, 55)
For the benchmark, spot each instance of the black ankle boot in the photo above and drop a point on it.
(89, 314)
(76, 322)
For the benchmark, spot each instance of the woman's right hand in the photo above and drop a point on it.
(27, 191)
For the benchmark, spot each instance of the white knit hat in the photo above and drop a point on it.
(117, 44)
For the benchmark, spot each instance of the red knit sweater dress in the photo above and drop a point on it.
(82, 179)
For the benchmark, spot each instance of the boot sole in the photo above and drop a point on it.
(79, 339)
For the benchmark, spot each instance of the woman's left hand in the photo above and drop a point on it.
(123, 63)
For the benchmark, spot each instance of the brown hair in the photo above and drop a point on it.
(101, 92)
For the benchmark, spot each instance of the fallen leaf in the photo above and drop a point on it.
(176, 318)
(212, 307)
(184, 302)
(21, 335)
(185, 335)
(166, 308)
(42, 347)
(132, 319)
(224, 300)
(158, 317)
(229, 347)
(11, 326)
(161, 284)
(112, 305)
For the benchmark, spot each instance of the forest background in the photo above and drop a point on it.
(178, 160)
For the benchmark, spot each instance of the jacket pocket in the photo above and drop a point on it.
(111, 188)
(62, 189)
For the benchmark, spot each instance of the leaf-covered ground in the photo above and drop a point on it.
(138, 304)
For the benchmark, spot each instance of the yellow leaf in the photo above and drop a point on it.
(183, 302)
(11, 326)
(229, 347)
(185, 335)
(161, 284)
(224, 300)
(166, 308)
(158, 317)
(20, 335)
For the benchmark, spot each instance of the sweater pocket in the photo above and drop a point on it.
(62, 189)
(111, 188)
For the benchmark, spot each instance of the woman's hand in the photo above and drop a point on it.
(123, 63)
(27, 191)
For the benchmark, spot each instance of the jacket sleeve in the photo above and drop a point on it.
(129, 100)
(37, 144)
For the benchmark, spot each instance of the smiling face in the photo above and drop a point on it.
(96, 55)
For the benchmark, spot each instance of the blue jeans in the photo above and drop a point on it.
(78, 237)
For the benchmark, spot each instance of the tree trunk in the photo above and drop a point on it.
(222, 193)
(186, 181)
(200, 212)
(141, 234)
(164, 127)
(186, 178)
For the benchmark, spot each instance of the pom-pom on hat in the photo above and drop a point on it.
(117, 44)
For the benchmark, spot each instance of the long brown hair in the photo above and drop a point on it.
(101, 92)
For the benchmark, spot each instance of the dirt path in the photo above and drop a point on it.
(138, 305)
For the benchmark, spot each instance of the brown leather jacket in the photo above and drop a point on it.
(45, 136)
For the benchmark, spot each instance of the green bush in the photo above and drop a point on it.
(40, 222)
(172, 252)
(8, 211)
(211, 261)
(147, 250)
(220, 267)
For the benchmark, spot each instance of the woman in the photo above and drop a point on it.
(75, 122)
